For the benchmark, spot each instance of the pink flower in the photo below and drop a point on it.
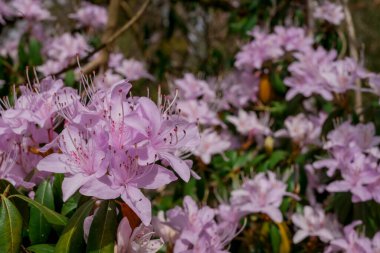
(132, 70)
(262, 194)
(306, 76)
(31, 10)
(5, 11)
(90, 15)
(198, 111)
(357, 174)
(303, 130)
(250, 124)
(330, 12)
(125, 179)
(314, 222)
(211, 143)
(238, 88)
(62, 50)
(136, 240)
(351, 242)
(193, 88)
(82, 159)
(194, 229)
(293, 38)
(254, 54)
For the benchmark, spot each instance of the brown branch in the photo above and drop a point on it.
(107, 39)
(310, 18)
(352, 39)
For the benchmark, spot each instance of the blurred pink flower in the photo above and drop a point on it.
(31, 10)
(303, 130)
(351, 242)
(211, 143)
(247, 123)
(262, 194)
(90, 15)
(314, 222)
(193, 88)
(330, 12)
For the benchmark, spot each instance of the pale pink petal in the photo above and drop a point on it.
(71, 184)
(134, 198)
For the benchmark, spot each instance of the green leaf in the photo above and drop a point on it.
(39, 228)
(71, 204)
(275, 238)
(42, 248)
(102, 236)
(71, 239)
(35, 57)
(20, 205)
(22, 54)
(276, 157)
(70, 78)
(10, 227)
(50, 215)
(277, 83)
(57, 190)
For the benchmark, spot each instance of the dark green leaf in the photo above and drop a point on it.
(35, 57)
(42, 248)
(70, 78)
(10, 227)
(50, 215)
(275, 238)
(102, 234)
(71, 239)
(22, 206)
(71, 204)
(39, 228)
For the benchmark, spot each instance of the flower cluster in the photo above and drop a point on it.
(330, 12)
(90, 15)
(354, 153)
(194, 229)
(271, 46)
(111, 146)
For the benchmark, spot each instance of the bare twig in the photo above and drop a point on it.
(352, 40)
(108, 38)
(310, 19)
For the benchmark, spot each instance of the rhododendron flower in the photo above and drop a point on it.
(125, 179)
(340, 76)
(211, 143)
(5, 11)
(262, 194)
(331, 12)
(198, 111)
(250, 124)
(351, 242)
(90, 15)
(132, 70)
(62, 50)
(357, 173)
(314, 222)
(136, 240)
(303, 130)
(264, 47)
(293, 38)
(193, 88)
(306, 76)
(195, 229)
(238, 88)
(82, 159)
(31, 10)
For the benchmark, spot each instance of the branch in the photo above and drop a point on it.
(354, 54)
(106, 40)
